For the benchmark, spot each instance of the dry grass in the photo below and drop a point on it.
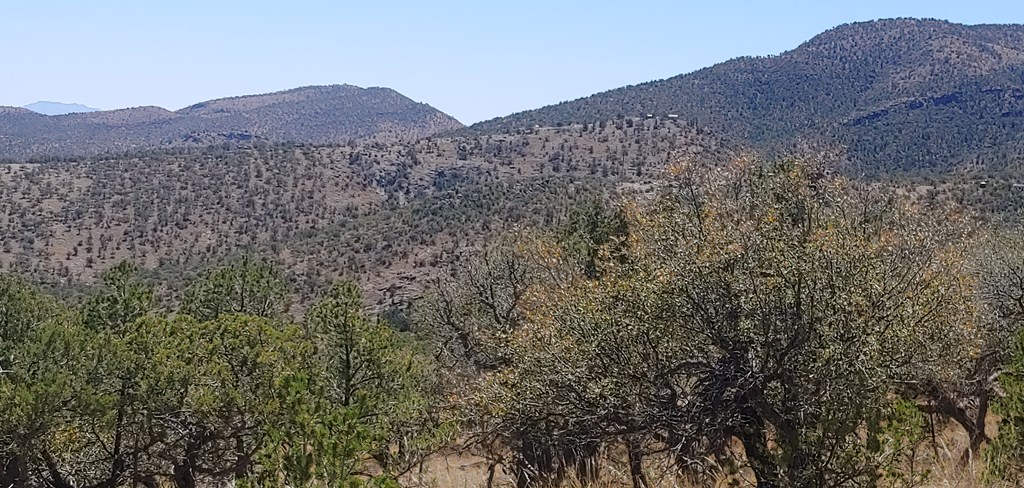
(937, 463)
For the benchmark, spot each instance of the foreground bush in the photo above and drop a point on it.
(767, 303)
(116, 393)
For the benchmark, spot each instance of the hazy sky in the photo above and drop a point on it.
(472, 59)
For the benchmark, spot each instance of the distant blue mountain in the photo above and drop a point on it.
(57, 108)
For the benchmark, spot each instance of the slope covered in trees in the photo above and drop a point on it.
(901, 94)
(384, 211)
(761, 324)
(315, 114)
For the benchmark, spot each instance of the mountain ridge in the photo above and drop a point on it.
(934, 90)
(326, 114)
(46, 107)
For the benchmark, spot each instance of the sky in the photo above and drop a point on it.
(472, 59)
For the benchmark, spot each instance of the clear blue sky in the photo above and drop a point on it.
(472, 59)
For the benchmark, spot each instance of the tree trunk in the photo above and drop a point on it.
(526, 465)
(243, 462)
(978, 435)
(490, 473)
(185, 470)
(636, 464)
(184, 475)
(766, 469)
(587, 466)
(974, 424)
(15, 472)
(56, 477)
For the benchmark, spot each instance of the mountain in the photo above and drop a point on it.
(314, 115)
(899, 94)
(58, 108)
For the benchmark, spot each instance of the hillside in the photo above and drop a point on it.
(386, 212)
(899, 94)
(315, 115)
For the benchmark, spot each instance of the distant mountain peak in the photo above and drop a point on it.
(319, 115)
(58, 108)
